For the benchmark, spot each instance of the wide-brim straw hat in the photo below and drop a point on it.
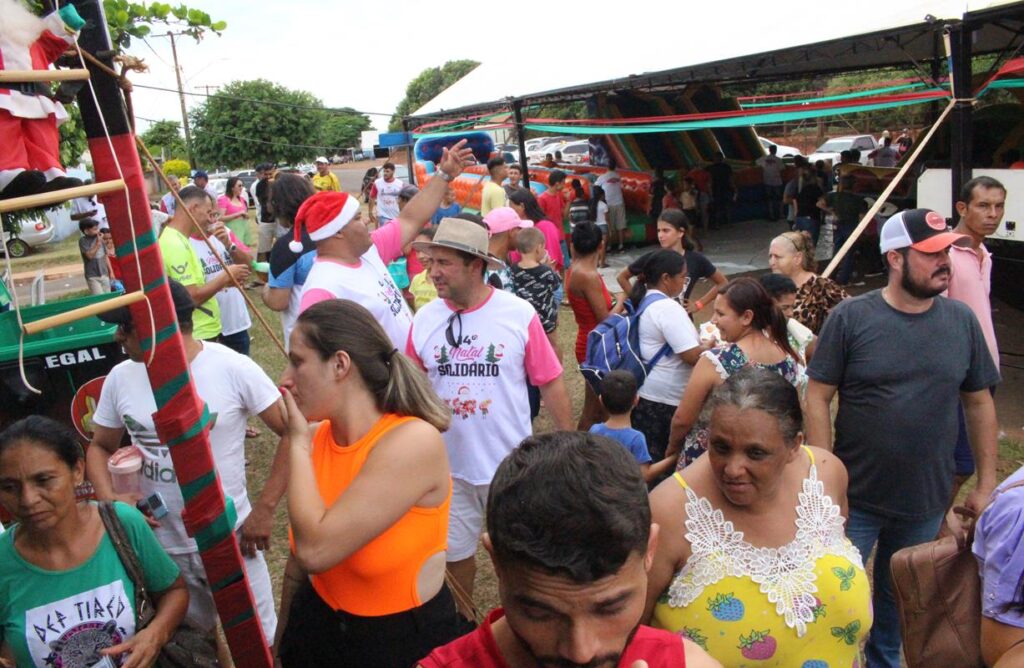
(461, 235)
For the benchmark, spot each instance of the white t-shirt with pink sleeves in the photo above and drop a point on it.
(501, 345)
(367, 283)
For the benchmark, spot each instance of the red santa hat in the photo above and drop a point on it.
(323, 215)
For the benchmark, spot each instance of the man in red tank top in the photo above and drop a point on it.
(571, 564)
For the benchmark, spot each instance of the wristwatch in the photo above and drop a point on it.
(232, 248)
(445, 176)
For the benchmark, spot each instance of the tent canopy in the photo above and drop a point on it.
(863, 35)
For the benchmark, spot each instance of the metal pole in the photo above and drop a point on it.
(181, 98)
(961, 148)
(408, 152)
(517, 114)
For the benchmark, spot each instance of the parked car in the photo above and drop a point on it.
(831, 149)
(576, 153)
(781, 150)
(32, 235)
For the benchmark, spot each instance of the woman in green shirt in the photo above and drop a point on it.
(65, 598)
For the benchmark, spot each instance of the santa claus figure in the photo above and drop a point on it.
(29, 116)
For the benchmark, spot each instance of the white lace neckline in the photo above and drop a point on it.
(786, 574)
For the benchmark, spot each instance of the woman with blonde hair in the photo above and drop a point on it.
(792, 254)
(368, 498)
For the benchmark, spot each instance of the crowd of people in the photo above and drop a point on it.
(708, 513)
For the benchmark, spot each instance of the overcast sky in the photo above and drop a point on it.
(363, 55)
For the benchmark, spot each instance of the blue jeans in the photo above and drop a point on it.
(845, 271)
(865, 529)
(239, 341)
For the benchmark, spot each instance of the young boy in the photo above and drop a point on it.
(535, 281)
(420, 286)
(618, 396)
(94, 257)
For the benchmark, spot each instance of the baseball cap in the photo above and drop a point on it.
(408, 191)
(322, 159)
(200, 174)
(183, 307)
(921, 229)
(503, 219)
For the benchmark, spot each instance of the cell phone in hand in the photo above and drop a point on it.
(153, 505)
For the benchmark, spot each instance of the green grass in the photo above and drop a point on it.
(49, 255)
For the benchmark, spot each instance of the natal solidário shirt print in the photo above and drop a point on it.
(478, 361)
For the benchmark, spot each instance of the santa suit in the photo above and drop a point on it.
(28, 117)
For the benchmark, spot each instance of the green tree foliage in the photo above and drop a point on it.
(342, 130)
(127, 19)
(165, 135)
(231, 132)
(179, 168)
(427, 85)
(72, 137)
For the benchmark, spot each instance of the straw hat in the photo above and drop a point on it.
(461, 235)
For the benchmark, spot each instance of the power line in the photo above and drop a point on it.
(272, 103)
(250, 139)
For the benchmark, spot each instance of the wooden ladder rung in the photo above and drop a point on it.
(30, 328)
(37, 76)
(63, 195)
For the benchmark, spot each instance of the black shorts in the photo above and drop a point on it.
(316, 635)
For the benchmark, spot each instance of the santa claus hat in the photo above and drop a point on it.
(323, 215)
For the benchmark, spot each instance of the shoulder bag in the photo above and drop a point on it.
(938, 595)
(189, 646)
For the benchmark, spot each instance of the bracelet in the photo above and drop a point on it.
(699, 304)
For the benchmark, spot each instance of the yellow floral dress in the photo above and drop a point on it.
(806, 604)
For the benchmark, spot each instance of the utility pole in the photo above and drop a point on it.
(181, 98)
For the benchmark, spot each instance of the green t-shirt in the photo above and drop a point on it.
(63, 618)
(182, 264)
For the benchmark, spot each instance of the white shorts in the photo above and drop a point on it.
(617, 216)
(202, 611)
(466, 518)
(266, 238)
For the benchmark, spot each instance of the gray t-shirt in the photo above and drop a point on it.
(899, 377)
(97, 266)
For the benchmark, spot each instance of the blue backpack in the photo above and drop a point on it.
(615, 344)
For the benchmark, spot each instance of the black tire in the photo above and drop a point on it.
(17, 248)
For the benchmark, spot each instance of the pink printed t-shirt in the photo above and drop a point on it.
(367, 282)
(971, 283)
(500, 346)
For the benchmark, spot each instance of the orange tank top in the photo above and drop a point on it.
(380, 577)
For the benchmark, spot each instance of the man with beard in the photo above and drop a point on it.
(571, 564)
(903, 359)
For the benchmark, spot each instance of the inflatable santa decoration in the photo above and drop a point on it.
(29, 116)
